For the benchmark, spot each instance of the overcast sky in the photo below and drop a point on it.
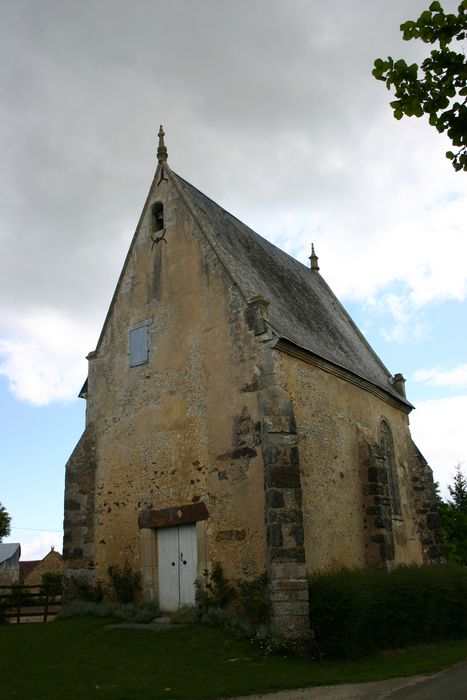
(269, 108)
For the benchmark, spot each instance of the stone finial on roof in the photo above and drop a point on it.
(313, 259)
(162, 149)
(257, 314)
(398, 383)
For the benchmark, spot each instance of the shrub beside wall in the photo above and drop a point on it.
(354, 612)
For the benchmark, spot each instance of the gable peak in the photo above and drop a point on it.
(162, 149)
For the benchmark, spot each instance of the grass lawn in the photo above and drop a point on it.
(81, 658)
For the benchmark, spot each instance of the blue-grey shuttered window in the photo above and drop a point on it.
(138, 346)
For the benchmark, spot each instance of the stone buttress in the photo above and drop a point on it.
(285, 553)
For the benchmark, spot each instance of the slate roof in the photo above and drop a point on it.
(302, 309)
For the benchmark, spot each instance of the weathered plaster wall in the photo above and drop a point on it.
(178, 429)
(331, 415)
(8, 576)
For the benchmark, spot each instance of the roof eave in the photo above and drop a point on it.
(292, 348)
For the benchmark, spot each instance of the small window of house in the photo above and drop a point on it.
(389, 457)
(157, 222)
(139, 346)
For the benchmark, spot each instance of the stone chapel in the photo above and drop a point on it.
(236, 414)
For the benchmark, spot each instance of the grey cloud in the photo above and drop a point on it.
(267, 105)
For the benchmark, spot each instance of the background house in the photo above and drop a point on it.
(31, 572)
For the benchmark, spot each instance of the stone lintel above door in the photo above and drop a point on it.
(175, 515)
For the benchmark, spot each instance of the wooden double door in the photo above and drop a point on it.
(177, 560)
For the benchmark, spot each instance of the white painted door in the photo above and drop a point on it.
(187, 563)
(167, 554)
(177, 558)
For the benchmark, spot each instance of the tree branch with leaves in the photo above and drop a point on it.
(5, 521)
(453, 515)
(440, 91)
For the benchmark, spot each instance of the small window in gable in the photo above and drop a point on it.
(157, 219)
(139, 352)
(389, 457)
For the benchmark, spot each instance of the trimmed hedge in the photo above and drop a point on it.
(355, 612)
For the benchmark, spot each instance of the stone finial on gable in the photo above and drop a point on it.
(257, 314)
(313, 259)
(162, 149)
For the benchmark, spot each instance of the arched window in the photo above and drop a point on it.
(157, 219)
(387, 450)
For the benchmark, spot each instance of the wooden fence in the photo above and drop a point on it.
(19, 602)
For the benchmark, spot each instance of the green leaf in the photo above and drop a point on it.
(441, 80)
(400, 65)
(379, 69)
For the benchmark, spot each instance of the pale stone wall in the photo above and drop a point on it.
(178, 429)
(9, 568)
(331, 414)
(9, 576)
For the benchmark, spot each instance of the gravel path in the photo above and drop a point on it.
(355, 691)
(450, 684)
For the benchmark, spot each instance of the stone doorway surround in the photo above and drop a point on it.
(150, 521)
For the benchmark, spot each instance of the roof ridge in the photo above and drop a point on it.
(204, 226)
(242, 223)
(216, 204)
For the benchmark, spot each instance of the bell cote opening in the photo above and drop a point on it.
(157, 217)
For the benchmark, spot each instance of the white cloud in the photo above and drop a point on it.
(419, 245)
(45, 361)
(399, 307)
(438, 428)
(456, 377)
(35, 545)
